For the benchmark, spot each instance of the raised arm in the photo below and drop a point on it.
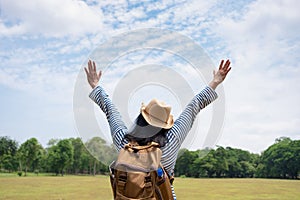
(186, 119)
(99, 96)
(220, 75)
(92, 76)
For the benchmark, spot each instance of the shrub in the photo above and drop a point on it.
(20, 173)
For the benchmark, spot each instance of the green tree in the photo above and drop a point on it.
(8, 151)
(221, 164)
(60, 156)
(99, 149)
(9, 162)
(79, 150)
(28, 154)
(241, 163)
(208, 163)
(214, 164)
(281, 160)
(66, 154)
(52, 142)
(196, 167)
(293, 163)
(84, 161)
(53, 159)
(184, 162)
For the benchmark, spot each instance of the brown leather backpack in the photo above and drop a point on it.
(138, 174)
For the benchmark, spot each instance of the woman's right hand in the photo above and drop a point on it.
(92, 76)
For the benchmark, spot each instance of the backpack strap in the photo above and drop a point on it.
(148, 183)
(122, 179)
(164, 182)
(136, 147)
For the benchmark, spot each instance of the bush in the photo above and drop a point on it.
(20, 173)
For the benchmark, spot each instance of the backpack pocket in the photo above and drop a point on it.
(134, 185)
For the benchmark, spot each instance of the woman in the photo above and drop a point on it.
(155, 123)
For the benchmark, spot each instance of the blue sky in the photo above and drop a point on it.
(44, 44)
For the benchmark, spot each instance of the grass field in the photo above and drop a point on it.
(87, 187)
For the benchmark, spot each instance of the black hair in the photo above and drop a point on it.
(160, 137)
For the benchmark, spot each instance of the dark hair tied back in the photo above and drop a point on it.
(159, 138)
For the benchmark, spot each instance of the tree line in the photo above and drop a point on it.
(280, 160)
(72, 156)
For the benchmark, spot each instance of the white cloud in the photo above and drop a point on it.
(261, 89)
(261, 38)
(265, 33)
(49, 18)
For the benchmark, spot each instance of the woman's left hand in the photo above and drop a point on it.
(220, 75)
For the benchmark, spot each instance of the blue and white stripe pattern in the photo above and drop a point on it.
(175, 135)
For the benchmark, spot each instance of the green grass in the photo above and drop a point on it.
(88, 187)
(233, 189)
(52, 187)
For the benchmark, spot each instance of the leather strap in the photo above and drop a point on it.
(137, 148)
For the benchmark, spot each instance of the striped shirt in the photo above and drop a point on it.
(175, 135)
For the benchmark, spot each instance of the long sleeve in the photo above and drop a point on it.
(183, 125)
(117, 126)
(186, 119)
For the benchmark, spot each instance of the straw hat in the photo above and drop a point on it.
(157, 114)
